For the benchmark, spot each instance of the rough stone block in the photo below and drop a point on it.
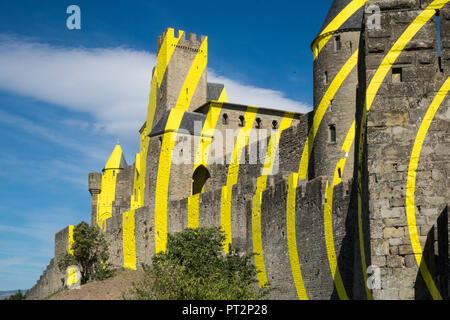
(395, 261)
(393, 232)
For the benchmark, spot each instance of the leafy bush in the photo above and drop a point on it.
(18, 296)
(194, 267)
(90, 253)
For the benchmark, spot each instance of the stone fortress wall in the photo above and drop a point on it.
(360, 190)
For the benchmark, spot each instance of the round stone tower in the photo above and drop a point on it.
(335, 50)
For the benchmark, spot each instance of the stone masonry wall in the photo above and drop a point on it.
(51, 279)
(392, 126)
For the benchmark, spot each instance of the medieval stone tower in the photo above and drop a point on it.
(349, 201)
(335, 54)
(182, 57)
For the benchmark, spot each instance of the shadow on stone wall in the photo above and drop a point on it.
(436, 258)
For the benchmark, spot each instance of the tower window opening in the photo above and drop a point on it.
(397, 75)
(274, 124)
(340, 172)
(225, 118)
(242, 119)
(258, 123)
(332, 129)
(338, 43)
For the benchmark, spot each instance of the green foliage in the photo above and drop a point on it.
(90, 253)
(194, 267)
(18, 296)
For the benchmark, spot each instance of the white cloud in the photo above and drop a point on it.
(259, 97)
(110, 84)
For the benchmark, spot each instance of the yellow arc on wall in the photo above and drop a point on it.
(137, 198)
(411, 188)
(261, 183)
(168, 143)
(334, 25)
(233, 173)
(371, 93)
(202, 154)
(303, 170)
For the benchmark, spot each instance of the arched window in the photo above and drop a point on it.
(258, 123)
(199, 178)
(225, 118)
(242, 119)
(274, 124)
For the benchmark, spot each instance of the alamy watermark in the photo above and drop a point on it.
(373, 17)
(374, 277)
(74, 20)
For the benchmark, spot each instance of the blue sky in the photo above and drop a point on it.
(66, 96)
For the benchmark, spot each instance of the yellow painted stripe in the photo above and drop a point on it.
(168, 143)
(193, 204)
(165, 53)
(374, 86)
(411, 187)
(232, 175)
(335, 24)
(261, 183)
(163, 178)
(398, 47)
(191, 81)
(137, 199)
(201, 157)
(292, 238)
(321, 110)
(128, 239)
(162, 61)
(359, 192)
(108, 188)
(223, 96)
(303, 169)
(70, 240)
(328, 217)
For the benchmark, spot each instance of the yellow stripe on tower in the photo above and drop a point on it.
(168, 143)
(321, 110)
(335, 24)
(334, 87)
(233, 173)
(371, 93)
(108, 187)
(411, 188)
(261, 183)
(137, 198)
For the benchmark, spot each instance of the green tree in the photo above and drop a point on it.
(90, 253)
(18, 296)
(194, 267)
